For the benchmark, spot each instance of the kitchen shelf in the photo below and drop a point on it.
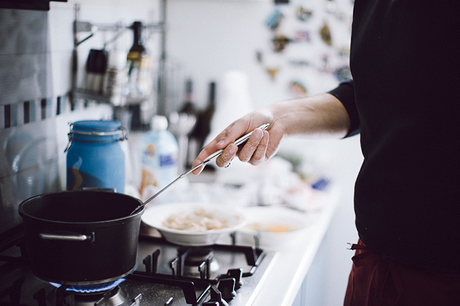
(82, 94)
(91, 28)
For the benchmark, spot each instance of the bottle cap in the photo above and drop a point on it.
(117, 59)
(159, 123)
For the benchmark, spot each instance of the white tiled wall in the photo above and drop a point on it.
(35, 73)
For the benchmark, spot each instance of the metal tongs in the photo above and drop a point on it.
(238, 142)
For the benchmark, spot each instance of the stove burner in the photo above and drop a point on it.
(90, 289)
(116, 296)
(161, 280)
(199, 258)
(113, 297)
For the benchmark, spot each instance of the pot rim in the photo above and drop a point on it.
(25, 214)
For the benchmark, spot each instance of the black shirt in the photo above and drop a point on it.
(404, 102)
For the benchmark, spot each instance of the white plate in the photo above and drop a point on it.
(155, 216)
(279, 228)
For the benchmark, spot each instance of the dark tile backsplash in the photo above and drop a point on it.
(26, 112)
(7, 113)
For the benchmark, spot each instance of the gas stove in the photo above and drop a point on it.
(166, 274)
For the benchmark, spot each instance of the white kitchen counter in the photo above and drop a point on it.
(280, 284)
(283, 280)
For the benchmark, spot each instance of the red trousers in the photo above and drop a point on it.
(377, 280)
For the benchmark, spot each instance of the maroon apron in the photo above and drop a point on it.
(377, 280)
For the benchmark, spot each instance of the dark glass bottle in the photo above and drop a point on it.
(203, 125)
(191, 110)
(139, 65)
(189, 106)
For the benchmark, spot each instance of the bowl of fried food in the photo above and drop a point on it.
(193, 224)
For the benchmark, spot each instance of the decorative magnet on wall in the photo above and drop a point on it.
(325, 64)
(325, 33)
(297, 89)
(272, 71)
(280, 42)
(302, 36)
(299, 63)
(331, 6)
(342, 73)
(344, 51)
(259, 57)
(273, 21)
(303, 14)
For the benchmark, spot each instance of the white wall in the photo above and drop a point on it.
(210, 38)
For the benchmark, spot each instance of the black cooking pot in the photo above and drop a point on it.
(81, 237)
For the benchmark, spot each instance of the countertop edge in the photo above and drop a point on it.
(283, 293)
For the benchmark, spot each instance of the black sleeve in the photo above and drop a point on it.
(345, 92)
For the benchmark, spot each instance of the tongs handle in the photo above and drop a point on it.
(218, 153)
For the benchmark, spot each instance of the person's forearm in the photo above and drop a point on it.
(314, 117)
(318, 116)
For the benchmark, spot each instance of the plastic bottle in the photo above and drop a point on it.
(159, 160)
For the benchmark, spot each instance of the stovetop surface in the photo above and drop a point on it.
(150, 286)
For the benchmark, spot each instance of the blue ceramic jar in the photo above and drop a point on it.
(94, 155)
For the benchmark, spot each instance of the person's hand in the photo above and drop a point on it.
(317, 116)
(261, 146)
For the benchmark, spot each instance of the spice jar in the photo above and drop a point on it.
(95, 158)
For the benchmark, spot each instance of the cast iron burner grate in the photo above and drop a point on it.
(220, 289)
(24, 289)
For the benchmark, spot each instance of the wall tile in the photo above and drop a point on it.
(34, 113)
(20, 113)
(25, 77)
(61, 28)
(23, 31)
(60, 73)
(35, 63)
(2, 117)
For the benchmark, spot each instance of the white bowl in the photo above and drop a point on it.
(276, 228)
(155, 216)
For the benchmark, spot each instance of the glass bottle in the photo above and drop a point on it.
(139, 65)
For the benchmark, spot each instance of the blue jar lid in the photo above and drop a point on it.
(97, 125)
(97, 130)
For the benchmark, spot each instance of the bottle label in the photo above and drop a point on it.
(168, 160)
(150, 151)
(164, 160)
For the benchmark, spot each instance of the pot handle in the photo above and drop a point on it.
(76, 237)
